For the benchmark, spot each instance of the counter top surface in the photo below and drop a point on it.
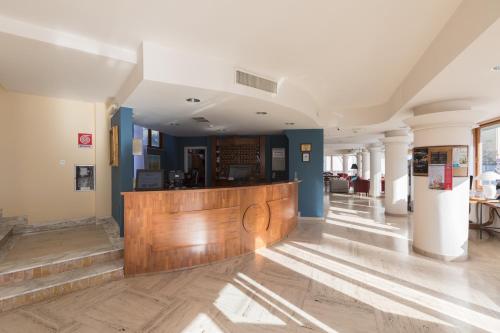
(212, 188)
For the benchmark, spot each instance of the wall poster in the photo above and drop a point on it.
(420, 161)
(440, 170)
(460, 161)
(84, 178)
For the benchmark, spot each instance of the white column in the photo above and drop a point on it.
(359, 163)
(345, 163)
(396, 172)
(366, 164)
(441, 217)
(375, 170)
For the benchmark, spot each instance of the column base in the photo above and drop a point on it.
(441, 257)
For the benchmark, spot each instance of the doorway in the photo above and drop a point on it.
(195, 166)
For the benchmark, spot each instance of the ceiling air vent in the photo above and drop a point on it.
(256, 82)
(201, 119)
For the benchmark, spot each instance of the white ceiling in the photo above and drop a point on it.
(344, 53)
(228, 113)
(350, 60)
(470, 76)
(39, 68)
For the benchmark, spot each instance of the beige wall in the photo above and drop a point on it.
(36, 133)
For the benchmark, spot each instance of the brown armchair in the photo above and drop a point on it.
(361, 186)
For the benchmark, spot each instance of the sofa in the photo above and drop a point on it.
(339, 185)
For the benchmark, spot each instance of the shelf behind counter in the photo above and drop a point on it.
(174, 229)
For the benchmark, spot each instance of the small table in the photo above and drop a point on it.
(492, 204)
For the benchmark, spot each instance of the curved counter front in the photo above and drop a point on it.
(168, 230)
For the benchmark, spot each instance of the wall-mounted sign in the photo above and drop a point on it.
(278, 162)
(440, 168)
(305, 147)
(84, 178)
(306, 157)
(457, 156)
(84, 140)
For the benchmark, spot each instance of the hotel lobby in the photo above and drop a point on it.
(250, 166)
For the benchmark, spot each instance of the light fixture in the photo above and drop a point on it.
(220, 130)
(137, 147)
(495, 68)
(174, 124)
(192, 100)
(289, 123)
(261, 113)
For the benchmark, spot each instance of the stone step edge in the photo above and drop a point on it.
(5, 233)
(42, 293)
(14, 275)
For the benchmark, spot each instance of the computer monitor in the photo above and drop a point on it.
(240, 172)
(149, 180)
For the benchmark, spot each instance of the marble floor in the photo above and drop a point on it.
(30, 249)
(353, 272)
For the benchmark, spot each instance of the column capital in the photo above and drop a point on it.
(397, 139)
(442, 115)
(375, 147)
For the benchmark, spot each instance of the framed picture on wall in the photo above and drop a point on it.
(153, 162)
(84, 178)
(305, 147)
(306, 157)
(420, 161)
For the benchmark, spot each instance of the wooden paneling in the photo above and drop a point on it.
(169, 230)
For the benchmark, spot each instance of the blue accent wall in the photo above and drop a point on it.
(311, 173)
(123, 175)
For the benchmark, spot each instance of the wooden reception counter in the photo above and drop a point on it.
(168, 230)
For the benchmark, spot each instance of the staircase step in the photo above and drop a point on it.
(5, 233)
(13, 295)
(15, 273)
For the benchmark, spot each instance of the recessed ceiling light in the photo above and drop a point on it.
(289, 124)
(261, 113)
(495, 68)
(192, 100)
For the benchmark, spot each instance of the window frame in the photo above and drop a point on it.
(476, 136)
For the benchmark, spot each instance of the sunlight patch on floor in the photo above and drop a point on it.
(202, 323)
(352, 290)
(240, 308)
(361, 220)
(284, 302)
(447, 308)
(371, 230)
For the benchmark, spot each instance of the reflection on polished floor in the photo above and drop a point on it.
(353, 272)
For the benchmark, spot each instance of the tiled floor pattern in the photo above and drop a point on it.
(353, 272)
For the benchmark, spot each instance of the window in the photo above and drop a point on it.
(328, 163)
(337, 163)
(487, 148)
(490, 148)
